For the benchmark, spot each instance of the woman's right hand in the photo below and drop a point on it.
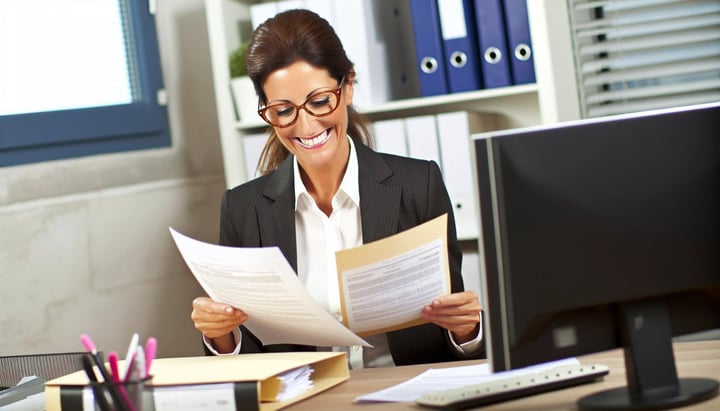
(215, 319)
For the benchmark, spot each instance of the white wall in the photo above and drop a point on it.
(84, 243)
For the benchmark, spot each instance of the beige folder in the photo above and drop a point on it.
(329, 369)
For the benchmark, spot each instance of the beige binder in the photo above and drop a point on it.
(329, 369)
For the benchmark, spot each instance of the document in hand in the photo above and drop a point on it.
(384, 285)
(261, 282)
(248, 382)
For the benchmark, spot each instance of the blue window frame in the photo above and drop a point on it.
(140, 124)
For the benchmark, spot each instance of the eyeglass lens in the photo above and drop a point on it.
(319, 104)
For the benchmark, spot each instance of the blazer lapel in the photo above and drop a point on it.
(276, 217)
(379, 202)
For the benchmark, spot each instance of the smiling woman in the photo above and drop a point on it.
(79, 77)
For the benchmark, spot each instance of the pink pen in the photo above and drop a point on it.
(114, 369)
(150, 351)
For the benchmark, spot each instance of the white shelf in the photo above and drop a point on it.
(479, 100)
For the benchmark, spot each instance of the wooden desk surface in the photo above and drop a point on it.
(693, 359)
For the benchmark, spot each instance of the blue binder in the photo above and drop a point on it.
(492, 44)
(518, 33)
(428, 47)
(457, 27)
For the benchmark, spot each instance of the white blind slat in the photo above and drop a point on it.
(652, 42)
(667, 55)
(653, 91)
(663, 27)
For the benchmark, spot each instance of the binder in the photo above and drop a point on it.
(253, 378)
(259, 12)
(457, 27)
(492, 44)
(395, 25)
(324, 9)
(358, 31)
(517, 28)
(454, 130)
(283, 5)
(390, 136)
(432, 77)
(253, 145)
(421, 136)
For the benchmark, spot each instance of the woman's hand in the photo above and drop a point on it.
(459, 313)
(215, 319)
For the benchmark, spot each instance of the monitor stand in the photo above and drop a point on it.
(652, 381)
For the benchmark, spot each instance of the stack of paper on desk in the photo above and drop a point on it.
(221, 381)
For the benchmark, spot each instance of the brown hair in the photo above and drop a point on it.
(290, 36)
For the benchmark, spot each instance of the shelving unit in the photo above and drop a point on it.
(553, 98)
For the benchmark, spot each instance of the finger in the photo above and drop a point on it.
(211, 306)
(440, 310)
(455, 299)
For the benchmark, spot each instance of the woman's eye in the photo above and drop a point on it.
(284, 111)
(320, 101)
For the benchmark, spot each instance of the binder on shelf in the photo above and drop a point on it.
(250, 379)
(259, 12)
(421, 137)
(454, 130)
(357, 29)
(283, 5)
(395, 24)
(517, 28)
(324, 9)
(253, 145)
(390, 136)
(457, 28)
(428, 47)
(492, 44)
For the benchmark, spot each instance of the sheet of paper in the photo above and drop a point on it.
(261, 282)
(439, 379)
(384, 285)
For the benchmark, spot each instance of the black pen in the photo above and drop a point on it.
(120, 405)
(97, 389)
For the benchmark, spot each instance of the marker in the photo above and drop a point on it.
(137, 370)
(99, 395)
(150, 352)
(115, 370)
(89, 345)
(130, 356)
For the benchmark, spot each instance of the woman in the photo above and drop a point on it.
(323, 189)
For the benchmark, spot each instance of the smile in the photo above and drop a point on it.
(318, 140)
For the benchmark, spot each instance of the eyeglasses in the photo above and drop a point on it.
(319, 104)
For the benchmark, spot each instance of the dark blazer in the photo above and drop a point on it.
(396, 193)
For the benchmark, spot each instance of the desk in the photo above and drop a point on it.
(693, 359)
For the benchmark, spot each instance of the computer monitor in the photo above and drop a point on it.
(603, 233)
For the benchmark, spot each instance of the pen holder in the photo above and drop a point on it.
(123, 396)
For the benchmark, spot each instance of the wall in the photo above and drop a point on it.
(84, 243)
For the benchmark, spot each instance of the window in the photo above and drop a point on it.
(634, 55)
(78, 77)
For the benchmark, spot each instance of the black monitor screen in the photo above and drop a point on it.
(595, 229)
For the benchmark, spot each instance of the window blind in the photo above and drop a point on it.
(635, 55)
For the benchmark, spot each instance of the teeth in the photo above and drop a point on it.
(319, 139)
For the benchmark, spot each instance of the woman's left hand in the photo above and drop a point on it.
(459, 313)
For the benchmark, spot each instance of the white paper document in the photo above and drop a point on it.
(261, 282)
(439, 379)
